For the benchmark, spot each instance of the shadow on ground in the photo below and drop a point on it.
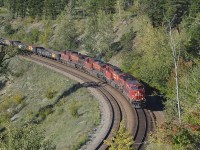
(2, 84)
(155, 100)
(46, 110)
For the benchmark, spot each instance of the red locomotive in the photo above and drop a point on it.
(125, 83)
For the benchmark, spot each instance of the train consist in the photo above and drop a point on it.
(129, 86)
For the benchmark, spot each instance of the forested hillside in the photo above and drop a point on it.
(157, 41)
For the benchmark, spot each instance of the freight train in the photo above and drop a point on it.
(128, 85)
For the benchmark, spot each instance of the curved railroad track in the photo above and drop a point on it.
(138, 121)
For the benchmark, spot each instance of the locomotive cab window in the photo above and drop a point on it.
(138, 87)
(134, 88)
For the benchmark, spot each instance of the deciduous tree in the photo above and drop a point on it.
(122, 140)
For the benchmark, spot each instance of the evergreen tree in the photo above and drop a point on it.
(159, 10)
(99, 34)
(105, 32)
(12, 7)
(35, 8)
(1, 3)
(193, 46)
(6, 52)
(194, 8)
(66, 34)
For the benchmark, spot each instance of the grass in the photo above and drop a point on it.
(36, 93)
(74, 109)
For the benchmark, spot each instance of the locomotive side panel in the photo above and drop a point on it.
(88, 63)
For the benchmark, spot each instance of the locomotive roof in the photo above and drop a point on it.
(132, 81)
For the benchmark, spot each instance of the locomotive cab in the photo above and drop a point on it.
(134, 90)
(136, 93)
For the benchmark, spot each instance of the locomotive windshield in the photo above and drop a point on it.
(138, 87)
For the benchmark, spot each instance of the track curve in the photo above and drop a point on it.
(137, 120)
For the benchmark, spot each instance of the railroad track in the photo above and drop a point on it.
(138, 121)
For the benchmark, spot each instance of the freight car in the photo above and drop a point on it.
(18, 44)
(129, 86)
(5, 42)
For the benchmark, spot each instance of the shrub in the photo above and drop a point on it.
(43, 113)
(121, 140)
(74, 109)
(83, 139)
(5, 105)
(8, 29)
(26, 137)
(47, 111)
(4, 117)
(18, 98)
(50, 93)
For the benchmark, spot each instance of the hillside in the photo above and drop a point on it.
(32, 95)
(156, 41)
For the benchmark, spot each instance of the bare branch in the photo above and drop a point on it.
(176, 56)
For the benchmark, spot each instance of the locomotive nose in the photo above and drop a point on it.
(139, 95)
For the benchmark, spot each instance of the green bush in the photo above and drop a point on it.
(50, 93)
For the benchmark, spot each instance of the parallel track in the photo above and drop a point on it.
(141, 130)
(115, 108)
(138, 121)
